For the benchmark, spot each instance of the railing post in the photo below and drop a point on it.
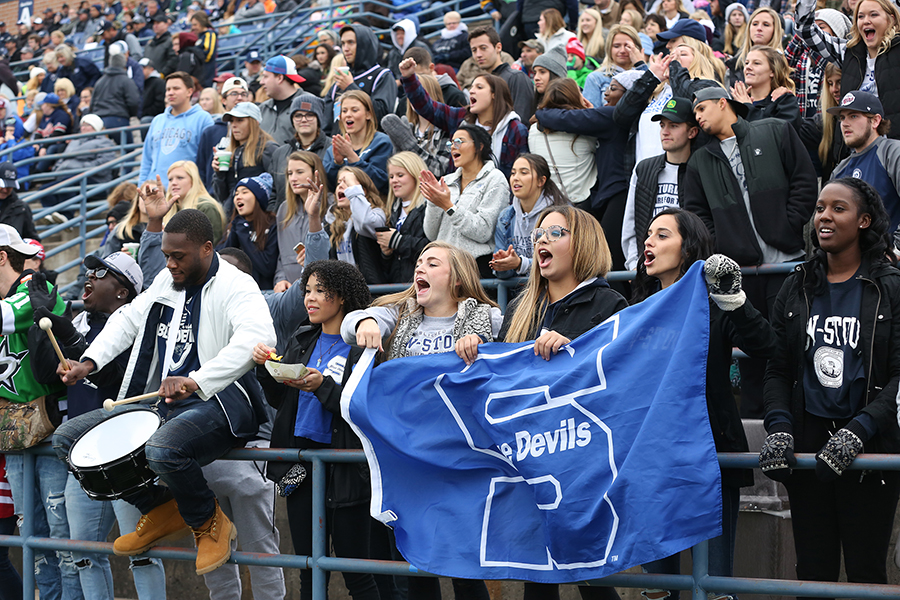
(318, 529)
(700, 557)
(502, 295)
(27, 529)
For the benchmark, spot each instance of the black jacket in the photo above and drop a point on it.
(521, 88)
(780, 180)
(154, 101)
(784, 108)
(367, 253)
(348, 483)
(576, 314)
(645, 192)
(190, 60)
(407, 242)
(887, 78)
(160, 51)
(17, 214)
(224, 182)
(879, 345)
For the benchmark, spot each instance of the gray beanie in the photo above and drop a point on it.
(554, 61)
(309, 103)
(837, 20)
(737, 6)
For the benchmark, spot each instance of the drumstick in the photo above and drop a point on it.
(46, 324)
(110, 404)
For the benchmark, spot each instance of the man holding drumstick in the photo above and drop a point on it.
(192, 334)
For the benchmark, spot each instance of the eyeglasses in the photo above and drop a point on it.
(237, 95)
(554, 232)
(456, 143)
(304, 116)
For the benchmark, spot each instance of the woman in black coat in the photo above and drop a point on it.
(309, 416)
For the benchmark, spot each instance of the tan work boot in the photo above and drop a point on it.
(162, 523)
(213, 540)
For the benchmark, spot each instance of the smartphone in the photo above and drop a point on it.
(300, 246)
(382, 229)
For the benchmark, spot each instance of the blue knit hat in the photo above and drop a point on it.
(261, 186)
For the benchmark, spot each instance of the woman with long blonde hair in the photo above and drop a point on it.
(623, 50)
(736, 24)
(404, 237)
(868, 58)
(590, 33)
(767, 87)
(359, 142)
(825, 128)
(336, 63)
(302, 171)
(252, 151)
(349, 227)
(764, 28)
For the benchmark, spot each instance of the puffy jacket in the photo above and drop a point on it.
(879, 344)
(781, 183)
(115, 95)
(347, 483)
(104, 150)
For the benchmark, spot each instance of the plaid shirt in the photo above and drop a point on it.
(808, 75)
(830, 47)
(449, 118)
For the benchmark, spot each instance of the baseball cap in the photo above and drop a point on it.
(688, 27)
(717, 93)
(138, 19)
(2, 23)
(106, 26)
(8, 175)
(159, 18)
(48, 99)
(243, 109)
(863, 102)
(118, 47)
(37, 21)
(40, 254)
(533, 44)
(677, 110)
(146, 62)
(234, 82)
(223, 77)
(9, 122)
(122, 265)
(10, 237)
(253, 56)
(282, 65)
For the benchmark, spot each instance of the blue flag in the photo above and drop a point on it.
(555, 471)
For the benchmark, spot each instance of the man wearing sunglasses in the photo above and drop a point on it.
(191, 336)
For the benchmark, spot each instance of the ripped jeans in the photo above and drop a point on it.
(56, 579)
(92, 520)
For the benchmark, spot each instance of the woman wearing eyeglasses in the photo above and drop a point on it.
(463, 207)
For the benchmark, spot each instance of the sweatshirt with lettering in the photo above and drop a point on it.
(172, 138)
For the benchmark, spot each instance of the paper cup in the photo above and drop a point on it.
(224, 159)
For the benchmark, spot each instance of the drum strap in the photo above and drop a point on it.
(174, 327)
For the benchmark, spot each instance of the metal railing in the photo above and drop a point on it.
(699, 581)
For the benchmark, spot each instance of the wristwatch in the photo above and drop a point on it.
(449, 212)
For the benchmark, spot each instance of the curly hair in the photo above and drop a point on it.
(342, 280)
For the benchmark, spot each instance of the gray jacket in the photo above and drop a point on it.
(277, 125)
(115, 95)
(103, 150)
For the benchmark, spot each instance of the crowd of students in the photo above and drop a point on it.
(630, 137)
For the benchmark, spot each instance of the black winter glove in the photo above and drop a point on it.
(65, 332)
(776, 459)
(37, 291)
(839, 452)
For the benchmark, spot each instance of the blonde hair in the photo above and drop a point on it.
(371, 124)
(893, 13)
(593, 45)
(433, 87)
(64, 83)
(637, 20)
(68, 55)
(125, 228)
(337, 61)
(734, 38)
(463, 271)
(590, 258)
(702, 66)
(778, 65)
(826, 101)
(342, 215)
(49, 59)
(679, 7)
(312, 160)
(194, 195)
(218, 107)
(412, 164)
(255, 144)
(775, 42)
(608, 66)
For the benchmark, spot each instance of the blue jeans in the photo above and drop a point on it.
(92, 520)
(55, 578)
(113, 123)
(10, 582)
(194, 435)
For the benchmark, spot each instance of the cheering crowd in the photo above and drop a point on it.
(623, 137)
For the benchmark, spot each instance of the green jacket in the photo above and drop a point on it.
(781, 182)
(590, 65)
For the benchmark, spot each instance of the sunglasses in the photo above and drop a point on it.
(554, 232)
(102, 272)
(457, 142)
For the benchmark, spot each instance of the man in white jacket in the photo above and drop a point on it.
(191, 336)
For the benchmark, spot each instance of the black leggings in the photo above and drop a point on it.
(854, 513)
(349, 531)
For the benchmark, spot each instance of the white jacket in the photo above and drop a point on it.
(234, 317)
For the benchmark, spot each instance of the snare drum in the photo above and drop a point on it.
(108, 459)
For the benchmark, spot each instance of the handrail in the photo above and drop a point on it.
(72, 136)
(30, 197)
